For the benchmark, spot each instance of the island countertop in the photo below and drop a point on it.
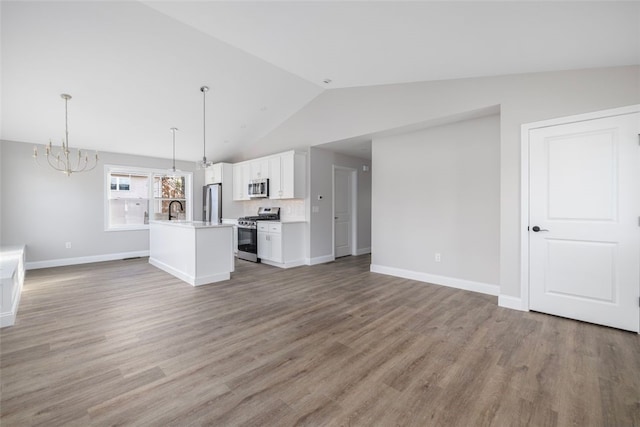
(194, 251)
(190, 224)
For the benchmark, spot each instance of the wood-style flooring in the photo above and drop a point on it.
(123, 343)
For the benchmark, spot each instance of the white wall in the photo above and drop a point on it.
(438, 191)
(344, 113)
(44, 209)
(321, 183)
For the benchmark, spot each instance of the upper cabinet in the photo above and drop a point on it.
(259, 168)
(286, 173)
(287, 178)
(241, 177)
(215, 174)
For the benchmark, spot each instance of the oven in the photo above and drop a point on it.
(248, 232)
(248, 242)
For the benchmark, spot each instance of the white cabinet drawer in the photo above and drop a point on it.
(263, 227)
(275, 228)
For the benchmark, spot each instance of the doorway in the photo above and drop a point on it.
(582, 238)
(345, 190)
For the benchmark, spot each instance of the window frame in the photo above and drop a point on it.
(150, 174)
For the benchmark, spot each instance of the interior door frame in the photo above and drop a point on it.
(354, 209)
(524, 183)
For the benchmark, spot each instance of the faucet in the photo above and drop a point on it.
(170, 206)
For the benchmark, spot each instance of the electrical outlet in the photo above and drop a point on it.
(437, 257)
(67, 245)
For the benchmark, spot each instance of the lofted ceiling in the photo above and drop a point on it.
(134, 69)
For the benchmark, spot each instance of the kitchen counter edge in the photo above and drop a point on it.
(190, 224)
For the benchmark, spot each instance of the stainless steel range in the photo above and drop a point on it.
(248, 232)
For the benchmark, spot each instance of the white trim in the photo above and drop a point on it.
(289, 264)
(524, 183)
(363, 251)
(514, 303)
(8, 318)
(12, 272)
(34, 265)
(452, 282)
(204, 280)
(320, 260)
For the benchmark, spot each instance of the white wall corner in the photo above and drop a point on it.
(452, 282)
(34, 265)
(513, 303)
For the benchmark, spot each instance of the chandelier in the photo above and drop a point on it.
(203, 164)
(62, 159)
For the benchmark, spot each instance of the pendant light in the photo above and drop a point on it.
(173, 167)
(203, 164)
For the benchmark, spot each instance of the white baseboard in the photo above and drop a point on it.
(11, 283)
(204, 280)
(9, 318)
(363, 251)
(320, 260)
(289, 264)
(452, 282)
(513, 303)
(84, 260)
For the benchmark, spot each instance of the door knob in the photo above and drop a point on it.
(536, 229)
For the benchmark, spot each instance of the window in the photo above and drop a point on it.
(136, 195)
(120, 182)
(167, 190)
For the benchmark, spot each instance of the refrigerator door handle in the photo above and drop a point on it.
(207, 201)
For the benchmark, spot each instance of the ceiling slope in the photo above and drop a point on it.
(362, 43)
(134, 73)
(135, 68)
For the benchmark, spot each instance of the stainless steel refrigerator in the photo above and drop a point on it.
(212, 203)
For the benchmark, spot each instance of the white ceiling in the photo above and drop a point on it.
(135, 69)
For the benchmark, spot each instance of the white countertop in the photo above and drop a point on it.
(190, 224)
(284, 221)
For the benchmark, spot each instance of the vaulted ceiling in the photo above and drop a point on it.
(135, 69)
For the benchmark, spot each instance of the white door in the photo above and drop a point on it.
(584, 237)
(342, 212)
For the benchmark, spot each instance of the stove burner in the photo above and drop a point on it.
(264, 214)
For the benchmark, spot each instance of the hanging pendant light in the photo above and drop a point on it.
(62, 159)
(203, 164)
(173, 169)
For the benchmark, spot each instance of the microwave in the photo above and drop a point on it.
(258, 188)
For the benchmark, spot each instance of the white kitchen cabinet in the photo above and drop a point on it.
(214, 173)
(270, 241)
(259, 168)
(241, 173)
(275, 178)
(287, 176)
(281, 244)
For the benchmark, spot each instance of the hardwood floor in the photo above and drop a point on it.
(123, 343)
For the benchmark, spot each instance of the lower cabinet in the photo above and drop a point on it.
(281, 244)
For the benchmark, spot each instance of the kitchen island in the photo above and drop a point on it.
(194, 251)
